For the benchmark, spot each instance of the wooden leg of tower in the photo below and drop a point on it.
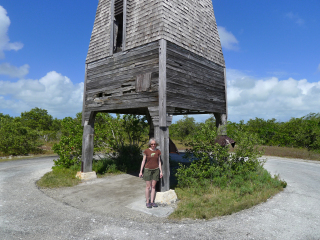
(87, 145)
(161, 134)
(221, 123)
(164, 145)
(151, 126)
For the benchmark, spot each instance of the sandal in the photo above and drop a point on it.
(149, 205)
(154, 205)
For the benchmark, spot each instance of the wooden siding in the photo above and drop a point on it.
(144, 21)
(99, 46)
(189, 24)
(111, 82)
(193, 82)
(192, 25)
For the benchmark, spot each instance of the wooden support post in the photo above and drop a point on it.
(222, 118)
(84, 96)
(162, 83)
(162, 130)
(151, 126)
(221, 123)
(87, 144)
(164, 147)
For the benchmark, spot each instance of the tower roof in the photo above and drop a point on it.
(187, 23)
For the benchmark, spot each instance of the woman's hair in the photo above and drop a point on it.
(152, 140)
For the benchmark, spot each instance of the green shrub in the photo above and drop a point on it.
(128, 158)
(120, 137)
(17, 139)
(104, 166)
(69, 147)
(212, 163)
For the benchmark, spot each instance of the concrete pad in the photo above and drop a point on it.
(115, 196)
(161, 211)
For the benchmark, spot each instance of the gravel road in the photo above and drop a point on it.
(28, 213)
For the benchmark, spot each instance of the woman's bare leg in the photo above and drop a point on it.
(153, 190)
(148, 185)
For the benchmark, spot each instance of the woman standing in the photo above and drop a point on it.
(152, 171)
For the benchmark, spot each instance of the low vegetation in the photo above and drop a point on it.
(118, 139)
(59, 177)
(301, 135)
(218, 183)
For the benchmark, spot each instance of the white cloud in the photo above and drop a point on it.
(270, 98)
(53, 92)
(5, 43)
(228, 40)
(13, 71)
(295, 17)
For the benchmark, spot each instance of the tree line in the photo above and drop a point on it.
(301, 132)
(31, 130)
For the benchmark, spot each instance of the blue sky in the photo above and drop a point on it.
(271, 49)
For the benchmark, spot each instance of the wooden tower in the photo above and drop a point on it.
(157, 58)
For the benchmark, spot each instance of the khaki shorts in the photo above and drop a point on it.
(151, 174)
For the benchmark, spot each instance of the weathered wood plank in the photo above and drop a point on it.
(84, 95)
(124, 34)
(87, 143)
(162, 83)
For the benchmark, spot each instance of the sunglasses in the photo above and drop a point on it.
(153, 144)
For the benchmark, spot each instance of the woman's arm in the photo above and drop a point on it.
(160, 166)
(142, 165)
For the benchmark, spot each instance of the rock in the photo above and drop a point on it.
(166, 198)
(86, 175)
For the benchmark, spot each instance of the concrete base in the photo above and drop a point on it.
(86, 175)
(166, 198)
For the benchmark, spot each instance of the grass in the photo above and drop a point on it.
(287, 152)
(59, 177)
(180, 145)
(66, 177)
(205, 202)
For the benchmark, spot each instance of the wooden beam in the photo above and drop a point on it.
(162, 83)
(84, 96)
(161, 134)
(164, 147)
(225, 85)
(221, 123)
(87, 144)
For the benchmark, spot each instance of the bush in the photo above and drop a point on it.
(128, 158)
(217, 183)
(120, 137)
(212, 163)
(16, 139)
(69, 148)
